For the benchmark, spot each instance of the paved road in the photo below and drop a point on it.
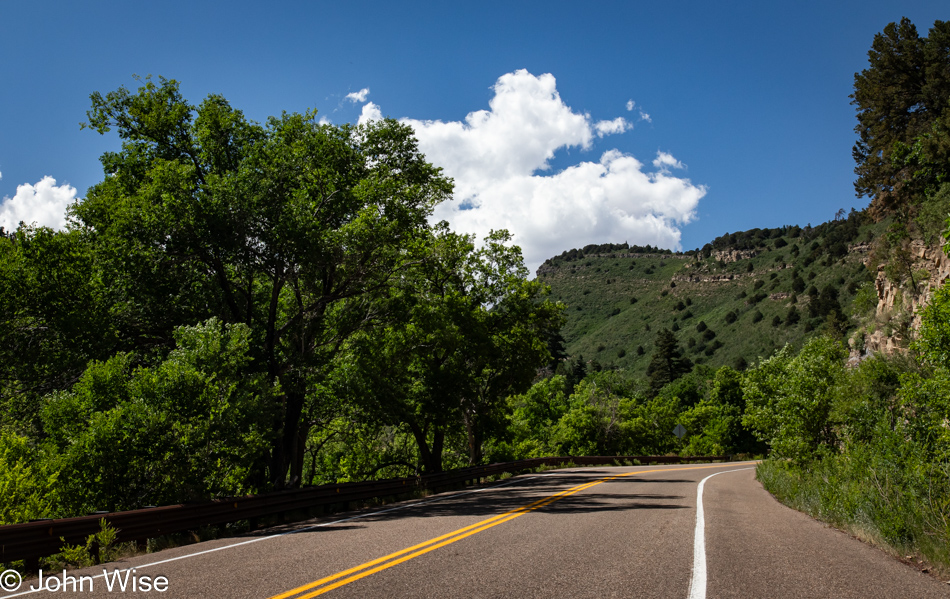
(593, 532)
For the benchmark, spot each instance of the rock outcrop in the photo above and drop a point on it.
(727, 256)
(901, 303)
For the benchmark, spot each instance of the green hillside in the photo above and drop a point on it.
(738, 298)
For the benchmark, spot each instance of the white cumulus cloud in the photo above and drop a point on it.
(665, 161)
(630, 105)
(500, 161)
(359, 96)
(618, 125)
(43, 204)
(370, 112)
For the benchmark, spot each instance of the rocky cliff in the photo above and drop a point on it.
(898, 308)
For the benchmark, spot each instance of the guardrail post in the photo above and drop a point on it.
(94, 550)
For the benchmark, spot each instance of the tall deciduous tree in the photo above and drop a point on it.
(287, 227)
(54, 318)
(472, 331)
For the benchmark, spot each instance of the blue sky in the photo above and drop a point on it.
(740, 111)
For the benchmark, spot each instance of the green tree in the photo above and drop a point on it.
(789, 400)
(195, 426)
(287, 228)
(899, 97)
(599, 418)
(468, 330)
(54, 318)
(28, 480)
(667, 363)
(532, 416)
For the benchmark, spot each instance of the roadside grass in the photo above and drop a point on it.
(900, 507)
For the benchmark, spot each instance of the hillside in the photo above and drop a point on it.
(738, 298)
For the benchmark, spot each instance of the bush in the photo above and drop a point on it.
(127, 437)
(789, 399)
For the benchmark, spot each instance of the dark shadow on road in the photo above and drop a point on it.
(499, 498)
(494, 502)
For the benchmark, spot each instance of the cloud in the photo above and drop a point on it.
(643, 116)
(665, 162)
(500, 161)
(370, 112)
(618, 125)
(43, 204)
(359, 96)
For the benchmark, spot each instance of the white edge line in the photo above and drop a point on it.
(697, 584)
(357, 517)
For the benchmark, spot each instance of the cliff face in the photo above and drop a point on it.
(899, 305)
(727, 256)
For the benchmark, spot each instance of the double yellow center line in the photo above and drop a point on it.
(318, 587)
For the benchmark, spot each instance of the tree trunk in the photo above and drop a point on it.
(474, 439)
(297, 457)
(431, 457)
(283, 453)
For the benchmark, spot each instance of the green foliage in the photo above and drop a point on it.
(865, 300)
(291, 228)
(789, 399)
(28, 487)
(667, 363)
(193, 427)
(869, 443)
(933, 215)
(899, 97)
(933, 338)
(99, 548)
(533, 415)
(54, 318)
(472, 330)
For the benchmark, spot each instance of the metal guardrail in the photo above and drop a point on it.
(33, 540)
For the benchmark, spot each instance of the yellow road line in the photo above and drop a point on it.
(388, 561)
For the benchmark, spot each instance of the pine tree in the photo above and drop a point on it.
(667, 363)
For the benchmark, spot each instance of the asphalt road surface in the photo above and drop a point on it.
(591, 532)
